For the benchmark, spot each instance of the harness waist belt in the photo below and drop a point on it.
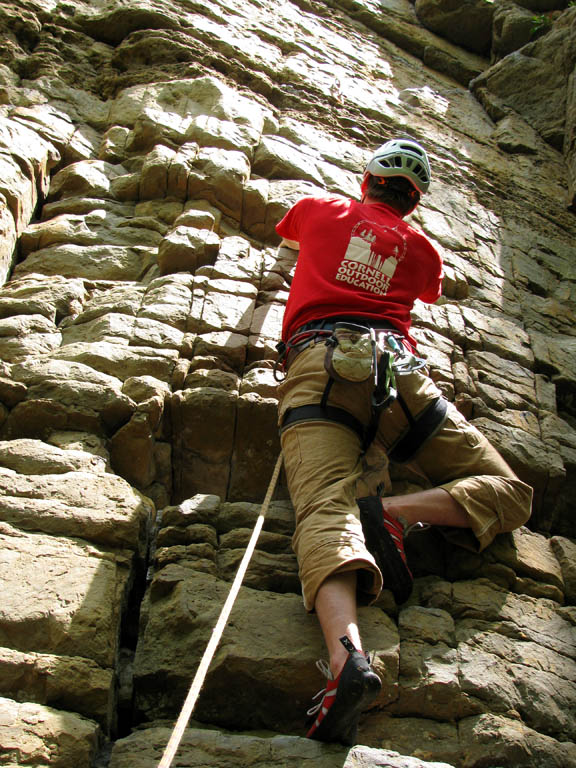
(328, 323)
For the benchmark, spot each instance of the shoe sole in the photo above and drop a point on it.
(380, 544)
(354, 695)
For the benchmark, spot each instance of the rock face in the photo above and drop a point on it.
(466, 23)
(147, 151)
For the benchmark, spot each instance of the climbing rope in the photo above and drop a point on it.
(198, 681)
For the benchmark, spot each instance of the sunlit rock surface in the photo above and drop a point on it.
(147, 150)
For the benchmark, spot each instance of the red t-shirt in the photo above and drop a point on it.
(357, 259)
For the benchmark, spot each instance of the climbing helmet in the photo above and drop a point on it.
(402, 157)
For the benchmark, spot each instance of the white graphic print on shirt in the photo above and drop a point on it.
(373, 253)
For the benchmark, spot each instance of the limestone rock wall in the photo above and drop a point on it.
(147, 150)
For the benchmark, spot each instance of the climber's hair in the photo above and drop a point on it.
(395, 191)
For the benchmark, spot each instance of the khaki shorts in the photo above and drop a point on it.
(325, 472)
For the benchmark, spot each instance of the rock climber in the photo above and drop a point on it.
(353, 381)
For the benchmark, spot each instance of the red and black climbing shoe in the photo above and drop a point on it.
(384, 538)
(344, 698)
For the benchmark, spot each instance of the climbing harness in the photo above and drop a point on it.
(347, 332)
(201, 672)
(357, 349)
(296, 344)
(420, 429)
(351, 352)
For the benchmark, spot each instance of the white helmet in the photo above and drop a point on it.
(402, 157)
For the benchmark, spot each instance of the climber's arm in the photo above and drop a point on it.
(293, 244)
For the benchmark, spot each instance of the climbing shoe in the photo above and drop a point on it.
(342, 701)
(384, 538)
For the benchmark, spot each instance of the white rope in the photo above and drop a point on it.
(198, 681)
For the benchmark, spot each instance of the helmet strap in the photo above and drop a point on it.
(364, 187)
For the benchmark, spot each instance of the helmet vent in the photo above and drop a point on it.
(412, 148)
(421, 172)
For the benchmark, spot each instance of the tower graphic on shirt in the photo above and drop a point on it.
(373, 253)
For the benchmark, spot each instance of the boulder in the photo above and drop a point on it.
(132, 451)
(92, 262)
(144, 749)
(236, 261)
(468, 23)
(219, 176)
(209, 131)
(249, 656)
(24, 336)
(256, 446)
(35, 735)
(80, 397)
(186, 248)
(87, 178)
(565, 551)
(545, 66)
(515, 136)
(120, 361)
(437, 741)
(177, 102)
(227, 347)
(55, 297)
(168, 299)
(506, 740)
(96, 227)
(73, 142)
(513, 27)
(204, 442)
(70, 682)
(101, 507)
(8, 242)
(27, 159)
(278, 158)
(62, 596)
(33, 457)
(226, 311)
(266, 202)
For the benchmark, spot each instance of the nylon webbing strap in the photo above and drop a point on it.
(421, 429)
(317, 413)
(198, 681)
